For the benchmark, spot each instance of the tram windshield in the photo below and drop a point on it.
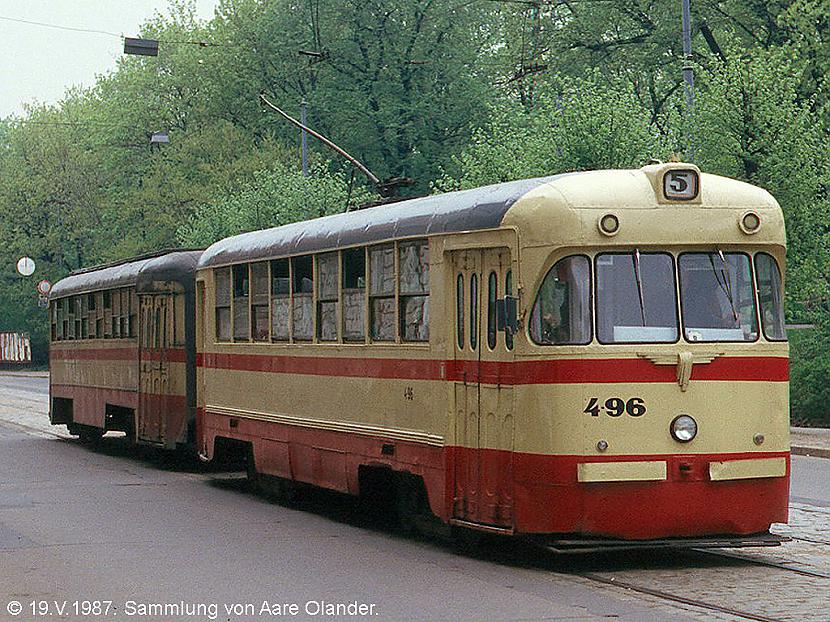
(636, 300)
(717, 297)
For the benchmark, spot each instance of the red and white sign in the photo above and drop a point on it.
(44, 287)
(15, 348)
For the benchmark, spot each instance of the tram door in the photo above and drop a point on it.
(154, 365)
(483, 394)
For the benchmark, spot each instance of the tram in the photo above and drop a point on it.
(595, 355)
(122, 355)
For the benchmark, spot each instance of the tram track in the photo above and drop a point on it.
(696, 586)
(764, 562)
(693, 602)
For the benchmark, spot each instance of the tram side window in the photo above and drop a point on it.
(354, 294)
(508, 291)
(474, 311)
(133, 324)
(328, 277)
(82, 319)
(413, 264)
(717, 298)
(280, 300)
(259, 301)
(562, 311)
(53, 323)
(91, 315)
(770, 297)
(303, 291)
(636, 298)
(459, 311)
(382, 293)
(492, 296)
(241, 292)
(79, 315)
(115, 319)
(222, 276)
(124, 318)
(70, 318)
(107, 321)
(99, 315)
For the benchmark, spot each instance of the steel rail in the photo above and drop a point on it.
(678, 599)
(762, 562)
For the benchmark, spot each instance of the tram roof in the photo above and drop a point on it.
(168, 264)
(482, 208)
(464, 210)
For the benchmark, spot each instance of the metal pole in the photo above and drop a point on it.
(304, 136)
(688, 76)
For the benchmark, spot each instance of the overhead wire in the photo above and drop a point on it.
(102, 32)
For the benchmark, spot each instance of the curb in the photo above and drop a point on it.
(24, 374)
(813, 452)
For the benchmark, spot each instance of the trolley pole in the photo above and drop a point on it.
(688, 77)
(304, 136)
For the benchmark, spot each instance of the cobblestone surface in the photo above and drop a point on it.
(769, 592)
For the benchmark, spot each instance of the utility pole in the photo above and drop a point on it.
(688, 78)
(304, 136)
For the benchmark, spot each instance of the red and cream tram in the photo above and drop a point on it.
(122, 355)
(596, 354)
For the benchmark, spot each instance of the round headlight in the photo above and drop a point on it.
(750, 223)
(683, 428)
(609, 224)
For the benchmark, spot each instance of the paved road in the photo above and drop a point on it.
(140, 529)
(810, 481)
(118, 525)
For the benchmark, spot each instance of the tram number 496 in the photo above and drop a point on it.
(616, 406)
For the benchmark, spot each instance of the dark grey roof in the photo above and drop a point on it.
(466, 210)
(178, 266)
(120, 274)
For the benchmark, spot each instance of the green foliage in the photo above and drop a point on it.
(809, 370)
(275, 197)
(752, 124)
(576, 124)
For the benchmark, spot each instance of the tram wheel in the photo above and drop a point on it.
(89, 435)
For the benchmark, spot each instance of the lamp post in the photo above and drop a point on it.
(688, 77)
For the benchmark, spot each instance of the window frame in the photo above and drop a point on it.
(319, 301)
(492, 314)
(273, 296)
(675, 290)
(364, 252)
(761, 324)
(394, 296)
(217, 306)
(754, 289)
(592, 306)
(401, 297)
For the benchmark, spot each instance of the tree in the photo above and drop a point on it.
(275, 197)
(577, 124)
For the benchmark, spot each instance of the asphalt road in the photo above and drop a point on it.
(810, 481)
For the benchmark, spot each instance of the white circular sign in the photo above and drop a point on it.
(44, 287)
(26, 266)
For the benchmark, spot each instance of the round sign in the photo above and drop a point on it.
(26, 266)
(44, 287)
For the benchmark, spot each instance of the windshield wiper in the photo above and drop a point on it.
(639, 284)
(725, 286)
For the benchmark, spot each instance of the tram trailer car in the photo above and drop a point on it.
(122, 354)
(588, 355)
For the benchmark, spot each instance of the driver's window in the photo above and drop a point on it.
(562, 312)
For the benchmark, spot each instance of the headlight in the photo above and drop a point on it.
(683, 428)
